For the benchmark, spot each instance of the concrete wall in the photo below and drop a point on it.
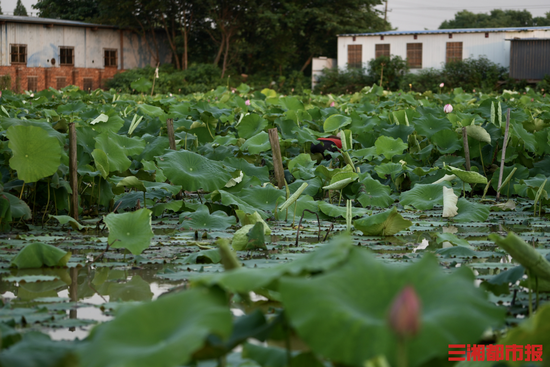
(474, 45)
(317, 66)
(89, 45)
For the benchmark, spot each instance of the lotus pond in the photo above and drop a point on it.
(383, 254)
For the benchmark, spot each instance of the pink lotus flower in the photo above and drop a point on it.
(441, 85)
(0, 94)
(332, 104)
(448, 108)
(405, 313)
(247, 102)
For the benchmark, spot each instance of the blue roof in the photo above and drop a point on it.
(446, 31)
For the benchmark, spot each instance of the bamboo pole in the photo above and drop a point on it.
(171, 135)
(73, 174)
(503, 157)
(466, 148)
(277, 159)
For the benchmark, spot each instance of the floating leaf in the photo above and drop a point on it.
(386, 223)
(423, 196)
(373, 193)
(389, 147)
(64, 219)
(471, 212)
(37, 255)
(203, 219)
(130, 230)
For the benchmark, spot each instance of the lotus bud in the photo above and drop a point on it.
(247, 102)
(332, 104)
(441, 85)
(448, 108)
(405, 313)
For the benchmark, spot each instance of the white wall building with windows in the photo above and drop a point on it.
(433, 48)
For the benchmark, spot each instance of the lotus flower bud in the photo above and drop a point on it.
(332, 104)
(441, 85)
(405, 313)
(247, 102)
(448, 108)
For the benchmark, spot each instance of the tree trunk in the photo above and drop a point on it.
(227, 39)
(306, 64)
(220, 50)
(171, 41)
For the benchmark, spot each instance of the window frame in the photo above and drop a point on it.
(451, 53)
(355, 56)
(64, 63)
(111, 58)
(412, 50)
(380, 50)
(19, 46)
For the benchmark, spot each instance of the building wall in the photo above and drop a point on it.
(474, 45)
(89, 51)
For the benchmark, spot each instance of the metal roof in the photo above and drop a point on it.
(49, 21)
(527, 39)
(447, 31)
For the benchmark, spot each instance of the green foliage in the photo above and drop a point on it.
(343, 81)
(497, 18)
(388, 69)
(131, 231)
(20, 9)
(37, 255)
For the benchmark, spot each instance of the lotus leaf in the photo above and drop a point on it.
(64, 219)
(160, 208)
(165, 332)
(528, 138)
(250, 237)
(193, 171)
(392, 169)
(142, 85)
(449, 237)
(358, 326)
(257, 144)
(338, 211)
(386, 223)
(336, 122)
(228, 198)
(471, 212)
(133, 182)
(19, 209)
(101, 162)
(428, 125)
(253, 218)
(251, 125)
(37, 349)
(151, 110)
(478, 133)
(449, 203)
(35, 154)
(389, 147)
(130, 230)
(136, 289)
(203, 219)
(116, 155)
(446, 141)
(423, 196)
(374, 193)
(467, 176)
(37, 255)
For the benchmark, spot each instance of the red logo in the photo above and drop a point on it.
(495, 352)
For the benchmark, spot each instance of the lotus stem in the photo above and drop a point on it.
(22, 188)
(47, 203)
(503, 157)
(530, 292)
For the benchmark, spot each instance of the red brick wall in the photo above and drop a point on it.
(47, 77)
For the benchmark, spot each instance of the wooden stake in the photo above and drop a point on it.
(171, 136)
(466, 148)
(277, 159)
(73, 174)
(503, 157)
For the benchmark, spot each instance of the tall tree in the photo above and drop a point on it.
(497, 18)
(79, 10)
(20, 9)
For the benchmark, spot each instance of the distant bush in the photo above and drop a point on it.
(203, 78)
(390, 70)
(544, 85)
(343, 81)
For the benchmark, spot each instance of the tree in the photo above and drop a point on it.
(1, 13)
(20, 9)
(79, 10)
(497, 18)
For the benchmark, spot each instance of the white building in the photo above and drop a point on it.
(525, 50)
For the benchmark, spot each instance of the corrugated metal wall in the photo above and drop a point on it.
(529, 59)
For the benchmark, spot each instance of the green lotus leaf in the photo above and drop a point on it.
(262, 173)
(193, 171)
(386, 223)
(392, 169)
(228, 198)
(336, 122)
(37, 255)
(264, 198)
(202, 219)
(389, 147)
(423, 196)
(37, 349)
(165, 332)
(528, 139)
(257, 144)
(467, 176)
(373, 193)
(471, 212)
(116, 155)
(339, 211)
(358, 325)
(35, 154)
(152, 111)
(342, 182)
(19, 209)
(428, 125)
(160, 208)
(132, 182)
(451, 238)
(130, 230)
(251, 125)
(446, 141)
(293, 104)
(142, 85)
(64, 219)
(101, 162)
(478, 133)
(250, 237)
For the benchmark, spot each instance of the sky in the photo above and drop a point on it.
(408, 15)
(420, 14)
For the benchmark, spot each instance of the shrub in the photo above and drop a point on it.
(342, 81)
(392, 70)
(544, 85)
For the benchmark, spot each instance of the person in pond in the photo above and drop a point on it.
(331, 144)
